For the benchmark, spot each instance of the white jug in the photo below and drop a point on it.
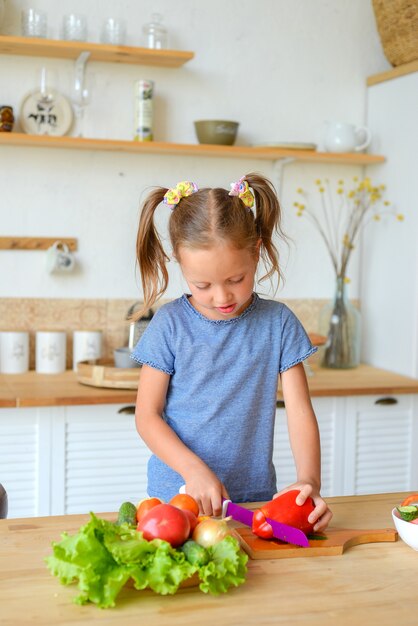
(343, 137)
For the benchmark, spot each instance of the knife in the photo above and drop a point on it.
(280, 531)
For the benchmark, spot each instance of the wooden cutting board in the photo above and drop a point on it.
(336, 542)
(103, 373)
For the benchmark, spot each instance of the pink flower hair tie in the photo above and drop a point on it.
(173, 196)
(242, 189)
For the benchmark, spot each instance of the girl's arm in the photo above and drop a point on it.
(305, 443)
(201, 482)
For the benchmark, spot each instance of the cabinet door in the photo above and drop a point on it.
(24, 461)
(379, 444)
(330, 416)
(102, 462)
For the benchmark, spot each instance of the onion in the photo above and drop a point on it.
(210, 531)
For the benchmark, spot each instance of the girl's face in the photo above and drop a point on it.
(220, 279)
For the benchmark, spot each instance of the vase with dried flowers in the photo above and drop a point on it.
(339, 219)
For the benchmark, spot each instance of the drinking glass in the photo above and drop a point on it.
(113, 32)
(75, 27)
(34, 23)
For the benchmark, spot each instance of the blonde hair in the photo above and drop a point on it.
(199, 221)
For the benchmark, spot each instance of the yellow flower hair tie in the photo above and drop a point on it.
(173, 196)
(242, 189)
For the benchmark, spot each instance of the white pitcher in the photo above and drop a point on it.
(343, 137)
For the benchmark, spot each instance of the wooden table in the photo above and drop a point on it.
(373, 584)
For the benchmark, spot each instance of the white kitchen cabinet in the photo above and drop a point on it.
(76, 459)
(60, 460)
(380, 444)
(99, 461)
(367, 444)
(330, 415)
(24, 460)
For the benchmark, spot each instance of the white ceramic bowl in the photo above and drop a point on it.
(407, 532)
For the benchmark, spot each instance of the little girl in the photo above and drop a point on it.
(211, 358)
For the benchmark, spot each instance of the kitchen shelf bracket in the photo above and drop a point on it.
(278, 167)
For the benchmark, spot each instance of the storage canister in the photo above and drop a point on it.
(143, 110)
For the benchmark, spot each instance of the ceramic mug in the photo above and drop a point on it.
(14, 352)
(59, 258)
(6, 118)
(50, 351)
(87, 345)
(342, 137)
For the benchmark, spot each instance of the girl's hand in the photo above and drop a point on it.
(321, 515)
(208, 491)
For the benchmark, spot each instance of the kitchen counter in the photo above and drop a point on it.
(32, 389)
(371, 583)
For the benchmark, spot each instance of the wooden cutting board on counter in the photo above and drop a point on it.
(103, 373)
(337, 541)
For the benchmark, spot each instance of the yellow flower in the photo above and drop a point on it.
(386, 203)
(296, 204)
(299, 190)
(340, 191)
(355, 178)
(341, 182)
(321, 189)
(317, 182)
(299, 214)
(376, 217)
(347, 280)
(351, 194)
(400, 217)
(301, 207)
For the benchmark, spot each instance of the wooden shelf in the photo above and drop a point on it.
(179, 149)
(58, 49)
(35, 243)
(396, 72)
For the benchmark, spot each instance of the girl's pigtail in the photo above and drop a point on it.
(150, 253)
(267, 221)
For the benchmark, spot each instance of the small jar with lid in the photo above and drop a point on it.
(155, 33)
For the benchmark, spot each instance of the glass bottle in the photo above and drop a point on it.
(340, 321)
(156, 34)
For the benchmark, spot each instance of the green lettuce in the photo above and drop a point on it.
(103, 556)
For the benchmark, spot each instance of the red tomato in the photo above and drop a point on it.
(414, 521)
(146, 505)
(192, 519)
(167, 522)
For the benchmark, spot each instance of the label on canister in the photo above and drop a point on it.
(143, 110)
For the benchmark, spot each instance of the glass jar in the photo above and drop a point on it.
(155, 33)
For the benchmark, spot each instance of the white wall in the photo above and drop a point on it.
(279, 67)
(389, 281)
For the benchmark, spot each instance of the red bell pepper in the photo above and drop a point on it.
(283, 509)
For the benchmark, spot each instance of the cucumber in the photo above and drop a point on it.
(408, 513)
(194, 553)
(127, 514)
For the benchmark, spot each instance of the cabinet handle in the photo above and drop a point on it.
(128, 410)
(386, 401)
(280, 404)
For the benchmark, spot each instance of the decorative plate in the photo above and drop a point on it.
(286, 145)
(47, 113)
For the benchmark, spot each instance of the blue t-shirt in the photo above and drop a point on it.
(221, 398)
